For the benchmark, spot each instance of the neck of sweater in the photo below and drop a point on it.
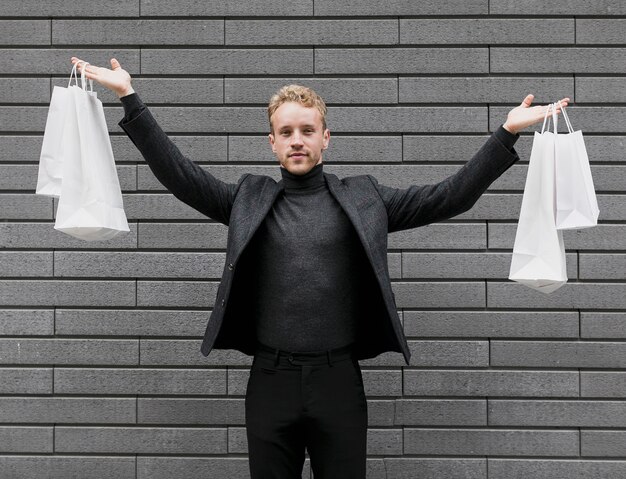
(312, 181)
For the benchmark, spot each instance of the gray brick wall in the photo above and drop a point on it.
(100, 370)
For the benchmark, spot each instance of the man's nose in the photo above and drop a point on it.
(296, 138)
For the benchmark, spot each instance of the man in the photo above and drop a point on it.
(305, 287)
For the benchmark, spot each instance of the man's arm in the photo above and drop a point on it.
(420, 205)
(185, 179)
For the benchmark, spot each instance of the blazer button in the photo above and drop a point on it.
(230, 266)
(223, 303)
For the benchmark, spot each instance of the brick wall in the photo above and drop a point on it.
(101, 374)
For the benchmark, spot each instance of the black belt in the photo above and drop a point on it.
(307, 357)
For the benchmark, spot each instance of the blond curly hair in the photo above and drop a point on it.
(303, 95)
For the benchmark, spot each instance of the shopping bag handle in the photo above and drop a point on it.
(83, 79)
(569, 125)
(82, 76)
(73, 73)
(551, 107)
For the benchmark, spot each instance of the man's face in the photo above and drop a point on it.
(298, 137)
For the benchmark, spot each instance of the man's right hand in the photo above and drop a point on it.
(117, 79)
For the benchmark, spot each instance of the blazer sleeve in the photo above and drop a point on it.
(420, 205)
(181, 176)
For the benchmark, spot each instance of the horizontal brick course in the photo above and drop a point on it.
(24, 32)
(399, 7)
(60, 467)
(554, 469)
(139, 265)
(602, 325)
(434, 468)
(491, 442)
(490, 383)
(572, 7)
(602, 266)
(17, 263)
(440, 236)
(129, 322)
(69, 351)
(439, 294)
(140, 381)
(601, 89)
(67, 410)
(557, 60)
(603, 443)
(25, 381)
(67, 293)
(492, 324)
(442, 412)
(602, 384)
(34, 8)
(225, 9)
(138, 32)
(26, 439)
(226, 61)
(400, 60)
(449, 353)
(566, 413)
(140, 440)
(486, 31)
(307, 32)
(190, 411)
(558, 354)
(155, 467)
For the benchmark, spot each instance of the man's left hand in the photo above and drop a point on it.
(524, 115)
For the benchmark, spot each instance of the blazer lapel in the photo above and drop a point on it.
(263, 203)
(341, 194)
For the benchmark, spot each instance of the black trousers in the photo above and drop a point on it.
(306, 400)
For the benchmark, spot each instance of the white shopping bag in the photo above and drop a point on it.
(576, 203)
(51, 158)
(539, 253)
(90, 204)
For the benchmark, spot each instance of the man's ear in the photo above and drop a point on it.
(326, 138)
(271, 138)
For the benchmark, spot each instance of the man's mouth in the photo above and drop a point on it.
(297, 155)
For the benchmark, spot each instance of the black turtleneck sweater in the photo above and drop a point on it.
(307, 260)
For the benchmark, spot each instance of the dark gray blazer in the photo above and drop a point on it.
(375, 210)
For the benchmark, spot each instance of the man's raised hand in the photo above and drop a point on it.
(524, 115)
(117, 79)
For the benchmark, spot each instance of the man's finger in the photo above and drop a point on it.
(115, 64)
(528, 100)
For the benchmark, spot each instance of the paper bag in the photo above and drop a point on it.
(538, 259)
(90, 204)
(576, 203)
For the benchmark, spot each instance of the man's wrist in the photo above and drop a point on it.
(509, 129)
(126, 92)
